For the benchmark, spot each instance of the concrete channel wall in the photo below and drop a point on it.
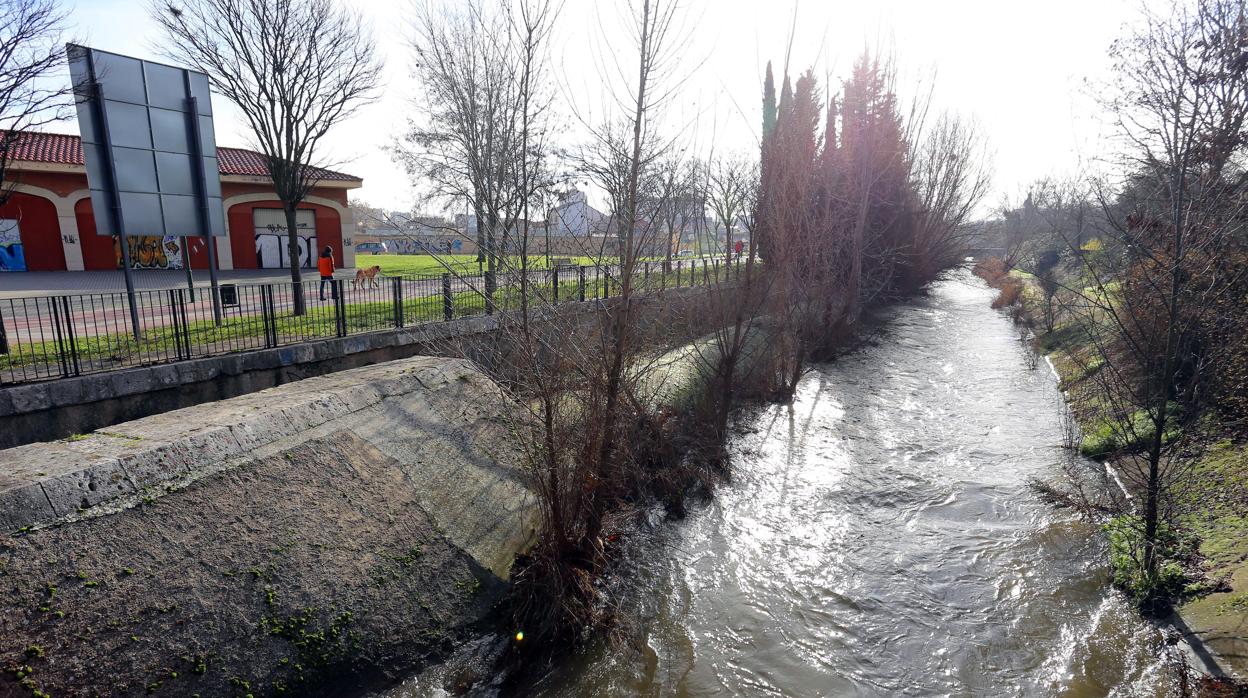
(294, 539)
(377, 510)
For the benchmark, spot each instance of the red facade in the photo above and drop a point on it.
(40, 231)
(48, 171)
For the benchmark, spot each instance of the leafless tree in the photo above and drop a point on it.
(1172, 234)
(951, 173)
(30, 53)
(674, 200)
(294, 68)
(481, 131)
(728, 191)
(620, 157)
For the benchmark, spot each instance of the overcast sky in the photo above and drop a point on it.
(1021, 69)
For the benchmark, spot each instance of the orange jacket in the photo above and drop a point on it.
(325, 265)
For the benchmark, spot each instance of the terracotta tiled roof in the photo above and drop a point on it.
(64, 149)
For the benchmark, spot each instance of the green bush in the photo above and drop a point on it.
(1104, 437)
(1126, 561)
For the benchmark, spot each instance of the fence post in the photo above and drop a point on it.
(490, 288)
(268, 315)
(186, 326)
(4, 337)
(706, 279)
(69, 336)
(59, 332)
(580, 272)
(448, 303)
(177, 322)
(554, 273)
(340, 308)
(398, 300)
(679, 263)
(646, 273)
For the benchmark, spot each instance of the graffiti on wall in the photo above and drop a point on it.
(272, 251)
(151, 251)
(12, 256)
(410, 246)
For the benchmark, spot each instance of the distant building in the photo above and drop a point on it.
(405, 233)
(48, 223)
(573, 216)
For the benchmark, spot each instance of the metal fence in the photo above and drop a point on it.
(50, 337)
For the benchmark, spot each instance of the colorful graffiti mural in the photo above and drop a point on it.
(151, 251)
(12, 255)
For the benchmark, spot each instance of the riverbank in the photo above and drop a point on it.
(312, 538)
(1212, 611)
(876, 537)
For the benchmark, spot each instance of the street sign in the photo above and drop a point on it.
(147, 136)
(150, 153)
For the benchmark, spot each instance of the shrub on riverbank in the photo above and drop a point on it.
(997, 273)
(1154, 590)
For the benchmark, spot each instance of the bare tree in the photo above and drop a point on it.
(670, 198)
(30, 53)
(951, 174)
(1147, 295)
(294, 68)
(728, 191)
(482, 129)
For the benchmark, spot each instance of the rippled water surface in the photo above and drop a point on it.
(879, 538)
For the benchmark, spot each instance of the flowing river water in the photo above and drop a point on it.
(879, 538)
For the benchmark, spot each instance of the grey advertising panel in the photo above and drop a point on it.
(149, 145)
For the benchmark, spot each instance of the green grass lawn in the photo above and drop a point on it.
(414, 264)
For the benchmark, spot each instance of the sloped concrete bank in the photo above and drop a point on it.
(291, 540)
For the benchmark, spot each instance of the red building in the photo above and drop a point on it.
(48, 225)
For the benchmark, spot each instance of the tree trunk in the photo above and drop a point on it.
(292, 249)
(491, 261)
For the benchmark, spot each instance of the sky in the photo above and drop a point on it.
(1026, 72)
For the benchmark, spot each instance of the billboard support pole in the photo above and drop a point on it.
(101, 114)
(201, 193)
(124, 244)
(215, 290)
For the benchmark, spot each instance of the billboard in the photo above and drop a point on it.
(149, 146)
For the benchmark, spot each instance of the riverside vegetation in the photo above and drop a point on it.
(1135, 285)
(849, 203)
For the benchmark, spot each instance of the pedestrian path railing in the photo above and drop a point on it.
(52, 337)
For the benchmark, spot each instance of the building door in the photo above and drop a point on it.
(30, 235)
(272, 251)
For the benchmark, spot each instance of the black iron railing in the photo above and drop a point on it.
(51, 337)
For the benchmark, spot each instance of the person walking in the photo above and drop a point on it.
(326, 266)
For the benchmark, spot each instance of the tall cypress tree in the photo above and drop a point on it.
(769, 104)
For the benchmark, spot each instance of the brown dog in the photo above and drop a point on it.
(368, 275)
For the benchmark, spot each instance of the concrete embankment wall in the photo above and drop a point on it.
(59, 408)
(293, 539)
(340, 526)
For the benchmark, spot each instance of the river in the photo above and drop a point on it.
(879, 538)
